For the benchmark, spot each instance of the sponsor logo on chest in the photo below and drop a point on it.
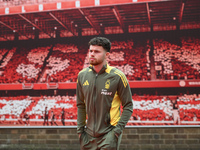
(105, 92)
(107, 86)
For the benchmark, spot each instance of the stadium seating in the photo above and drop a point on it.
(177, 62)
(65, 63)
(12, 108)
(62, 62)
(148, 109)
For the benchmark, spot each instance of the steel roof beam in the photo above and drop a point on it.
(14, 30)
(181, 12)
(7, 26)
(88, 19)
(60, 22)
(119, 18)
(148, 13)
(33, 24)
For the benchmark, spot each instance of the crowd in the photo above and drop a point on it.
(66, 63)
(14, 109)
(177, 62)
(21, 65)
(189, 106)
(66, 48)
(160, 108)
(63, 62)
(147, 108)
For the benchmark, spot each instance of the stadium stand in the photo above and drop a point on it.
(65, 63)
(134, 64)
(62, 62)
(177, 62)
(11, 111)
(148, 109)
(21, 65)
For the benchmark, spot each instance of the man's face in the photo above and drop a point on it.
(97, 55)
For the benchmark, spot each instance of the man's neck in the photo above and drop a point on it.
(98, 68)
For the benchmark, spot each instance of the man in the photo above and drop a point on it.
(53, 118)
(101, 89)
(27, 119)
(175, 112)
(63, 116)
(46, 117)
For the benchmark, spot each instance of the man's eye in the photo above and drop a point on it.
(94, 51)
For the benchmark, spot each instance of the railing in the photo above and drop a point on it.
(133, 84)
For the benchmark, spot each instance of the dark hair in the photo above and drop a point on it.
(101, 41)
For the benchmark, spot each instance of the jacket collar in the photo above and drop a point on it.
(102, 69)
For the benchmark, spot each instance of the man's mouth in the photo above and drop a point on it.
(92, 58)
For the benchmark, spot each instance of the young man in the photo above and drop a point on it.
(46, 117)
(101, 89)
(175, 112)
(63, 116)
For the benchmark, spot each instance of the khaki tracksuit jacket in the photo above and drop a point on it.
(99, 97)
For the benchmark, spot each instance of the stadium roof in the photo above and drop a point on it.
(90, 18)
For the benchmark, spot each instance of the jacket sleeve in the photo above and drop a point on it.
(81, 114)
(125, 95)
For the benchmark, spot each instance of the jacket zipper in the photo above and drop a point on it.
(95, 92)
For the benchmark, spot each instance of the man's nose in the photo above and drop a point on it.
(92, 53)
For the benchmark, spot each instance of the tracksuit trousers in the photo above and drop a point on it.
(109, 141)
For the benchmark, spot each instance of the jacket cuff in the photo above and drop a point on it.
(117, 131)
(80, 130)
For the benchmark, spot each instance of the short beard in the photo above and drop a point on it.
(94, 63)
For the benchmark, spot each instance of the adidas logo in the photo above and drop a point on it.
(86, 83)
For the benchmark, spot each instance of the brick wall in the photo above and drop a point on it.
(165, 138)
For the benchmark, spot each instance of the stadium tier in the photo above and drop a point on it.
(148, 109)
(62, 62)
(177, 62)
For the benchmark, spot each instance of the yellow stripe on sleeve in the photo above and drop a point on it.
(123, 77)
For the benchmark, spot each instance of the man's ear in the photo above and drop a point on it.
(107, 54)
